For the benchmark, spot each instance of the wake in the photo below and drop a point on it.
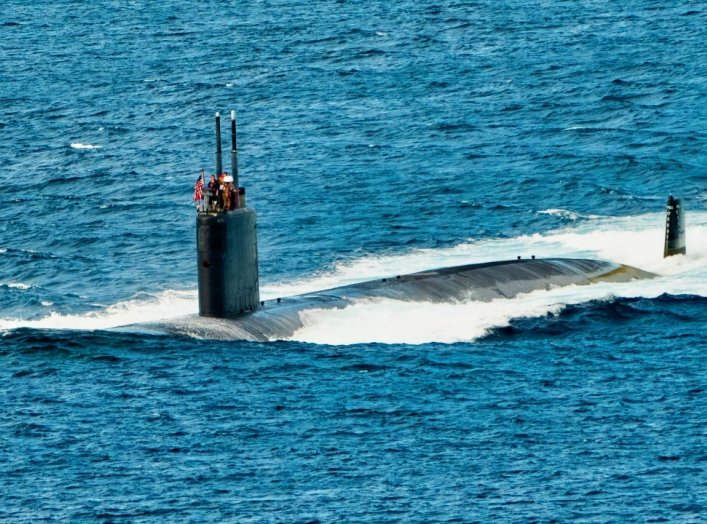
(634, 240)
(162, 305)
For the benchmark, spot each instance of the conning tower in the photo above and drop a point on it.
(227, 247)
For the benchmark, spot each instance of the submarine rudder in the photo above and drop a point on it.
(675, 243)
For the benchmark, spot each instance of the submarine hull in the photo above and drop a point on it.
(280, 319)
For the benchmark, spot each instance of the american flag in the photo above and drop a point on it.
(199, 188)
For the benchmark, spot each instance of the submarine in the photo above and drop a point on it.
(230, 307)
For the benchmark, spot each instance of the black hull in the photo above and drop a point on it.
(476, 282)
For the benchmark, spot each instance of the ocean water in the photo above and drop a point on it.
(375, 138)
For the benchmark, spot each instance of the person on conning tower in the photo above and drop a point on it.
(223, 192)
(211, 192)
(227, 192)
(219, 191)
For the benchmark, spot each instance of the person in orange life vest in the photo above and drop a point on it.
(227, 189)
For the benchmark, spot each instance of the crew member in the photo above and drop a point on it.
(212, 192)
(234, 197)
(227, 192)
(221, 190)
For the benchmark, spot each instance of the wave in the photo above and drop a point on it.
(16, 285)
(390, 321)
(566, 214)
(144, 308)
(674, 315)
(79, 145)
(633, 240)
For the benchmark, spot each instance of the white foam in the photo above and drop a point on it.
(392, 321)
(18, 285)
(79, 145)
(633, 240)
(167, 304)
(565, 213)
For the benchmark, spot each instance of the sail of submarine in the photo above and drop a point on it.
(229, 302)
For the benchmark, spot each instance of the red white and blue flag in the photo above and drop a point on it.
(199, 188)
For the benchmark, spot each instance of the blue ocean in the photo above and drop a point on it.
(375, 139)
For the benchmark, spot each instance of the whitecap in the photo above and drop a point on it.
(79, 145)
(18, 285)
(565, 213)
